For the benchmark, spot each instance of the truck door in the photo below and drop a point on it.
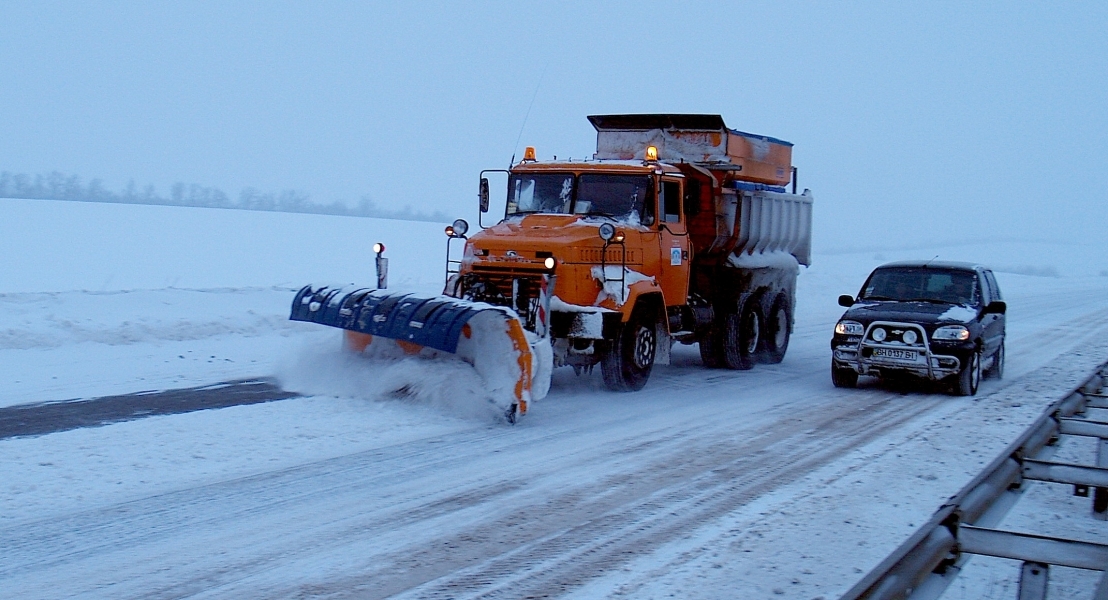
(673, 243)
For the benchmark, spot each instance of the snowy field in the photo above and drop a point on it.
(761, 484)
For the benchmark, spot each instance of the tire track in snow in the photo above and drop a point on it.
(675, 497)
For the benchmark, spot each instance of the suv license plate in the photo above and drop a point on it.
(908, 355)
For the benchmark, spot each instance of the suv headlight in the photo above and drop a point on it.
(849, 328)
(951, 332)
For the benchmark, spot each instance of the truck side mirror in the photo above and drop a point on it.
(996, 307)
(484, 194)
(845, 300)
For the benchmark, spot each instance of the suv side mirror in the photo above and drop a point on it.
(846, 301)
(484, 194)
(996, 307)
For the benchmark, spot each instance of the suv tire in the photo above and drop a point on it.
(843, 378)
(970, 377)
(996, 371)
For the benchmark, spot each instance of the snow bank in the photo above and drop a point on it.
(63, 246)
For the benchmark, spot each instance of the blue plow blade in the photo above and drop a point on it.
(432, 322)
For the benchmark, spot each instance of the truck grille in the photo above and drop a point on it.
(615, 256)
(511, 288)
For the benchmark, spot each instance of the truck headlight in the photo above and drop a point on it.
(849, 328)
(909, 337)
(879, 334)
(951, 332)
(607, 231)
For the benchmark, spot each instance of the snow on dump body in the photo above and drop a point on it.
(388, 327)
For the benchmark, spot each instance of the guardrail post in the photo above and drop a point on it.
(1100, 494)
(1101, 592)
(1033, 581)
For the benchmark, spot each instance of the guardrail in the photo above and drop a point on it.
(923, 567)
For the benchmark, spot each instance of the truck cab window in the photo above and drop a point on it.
(540, 193)
(671, 202)
(692, 197)
(618, 196)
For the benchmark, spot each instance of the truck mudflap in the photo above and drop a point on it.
(514, 364)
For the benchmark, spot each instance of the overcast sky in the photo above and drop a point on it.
(910, 120)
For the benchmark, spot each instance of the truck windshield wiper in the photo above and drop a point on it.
(878, 298)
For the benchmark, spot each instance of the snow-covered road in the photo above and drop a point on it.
(759, 484)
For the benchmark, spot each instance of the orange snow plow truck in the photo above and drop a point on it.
(678, 229)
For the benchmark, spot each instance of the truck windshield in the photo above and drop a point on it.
(619, 196)
(540, 193)
(906, 284)
(616, 196)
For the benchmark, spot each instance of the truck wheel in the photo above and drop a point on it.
(741, 337)
(709, 349)
(627, 364)
(970, 376)
(843, 378)
(777, 332)
(996, 371)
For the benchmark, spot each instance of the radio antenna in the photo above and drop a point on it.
(528, 114)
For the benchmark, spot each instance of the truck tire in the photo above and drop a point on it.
(710, 349)
(741, 337)
(843, 378)
(970, 376)
(627, 363)
(776, 341)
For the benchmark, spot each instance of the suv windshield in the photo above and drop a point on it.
(617, 196)
(908, 284)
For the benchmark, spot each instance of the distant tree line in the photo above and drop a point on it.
(58, 186)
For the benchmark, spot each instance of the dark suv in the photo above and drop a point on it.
(936, 320)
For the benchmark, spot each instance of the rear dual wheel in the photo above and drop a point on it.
(776, 341)
(735, 341)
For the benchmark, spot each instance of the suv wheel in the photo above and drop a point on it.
(843, 378)
(970, 377)
(996, 371)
